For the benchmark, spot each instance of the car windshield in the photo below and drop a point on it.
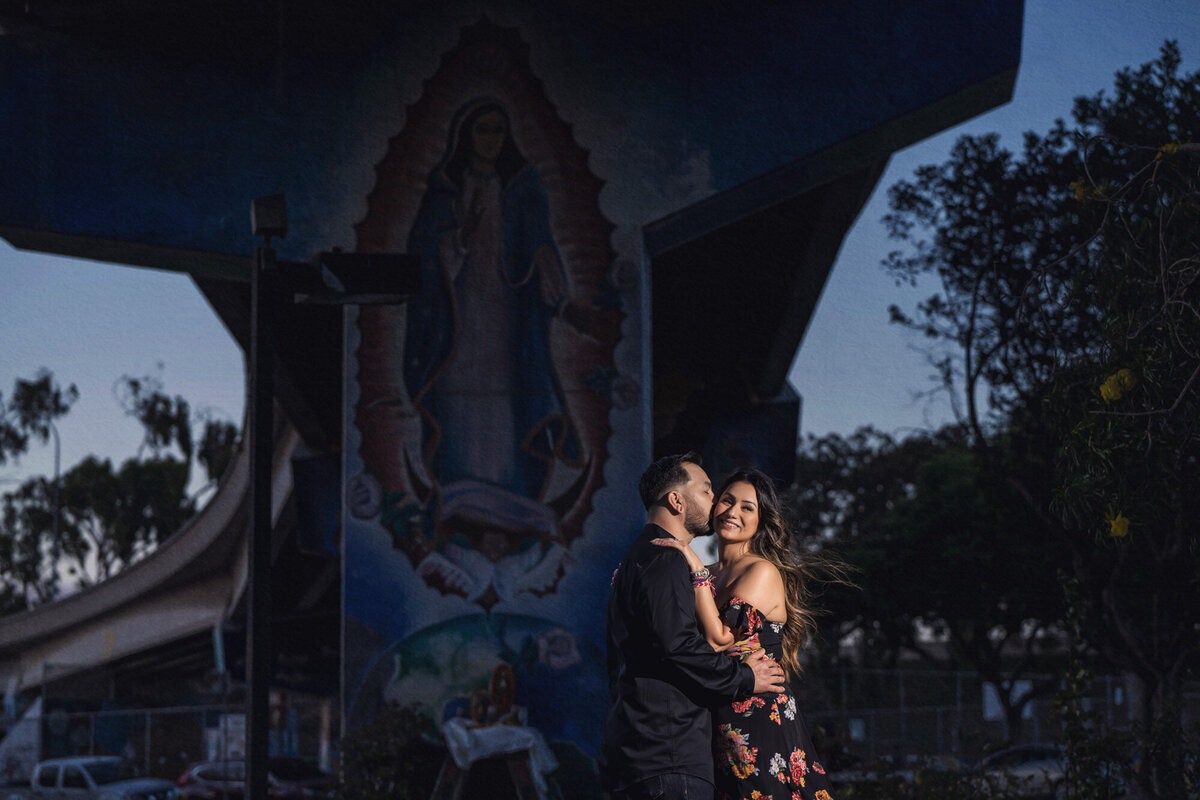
(111, 771)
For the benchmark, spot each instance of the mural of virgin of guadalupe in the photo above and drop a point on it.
(477, 354)
(478, 365)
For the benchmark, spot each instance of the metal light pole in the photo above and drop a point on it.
(54, 550)
(336, 279)
(268, 218)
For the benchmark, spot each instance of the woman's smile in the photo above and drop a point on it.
(736, 511)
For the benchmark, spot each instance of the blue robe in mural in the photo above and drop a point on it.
(477, 354)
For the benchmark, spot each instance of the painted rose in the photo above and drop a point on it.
(558, 649)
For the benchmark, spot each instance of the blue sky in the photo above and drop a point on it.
(853, 367)
(92, 323)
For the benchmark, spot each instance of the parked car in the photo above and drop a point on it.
(210, 780)
(1031, 770)
(1039, 771)
(287, 779)
(887, 771)
(92, 778)
(853, 771)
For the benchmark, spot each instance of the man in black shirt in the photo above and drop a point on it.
(663, 675)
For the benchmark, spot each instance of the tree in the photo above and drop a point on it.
(947, 564)
(168, 421)
(1129, 422)
(34, 406)
(109, 516)
(965, 558)
(844, 487)
(384, 758)
(26, 528)
(1066, 282)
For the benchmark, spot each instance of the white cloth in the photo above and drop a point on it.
(469, 742)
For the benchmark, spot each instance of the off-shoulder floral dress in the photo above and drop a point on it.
(760, 744)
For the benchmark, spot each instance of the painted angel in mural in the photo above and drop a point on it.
(498, 457)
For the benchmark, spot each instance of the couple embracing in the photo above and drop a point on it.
(699, 660)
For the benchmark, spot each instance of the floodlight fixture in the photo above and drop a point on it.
(268, 216)
(338, 278)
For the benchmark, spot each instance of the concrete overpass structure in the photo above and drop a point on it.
(719, 156)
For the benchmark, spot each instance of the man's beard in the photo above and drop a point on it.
(698, 528)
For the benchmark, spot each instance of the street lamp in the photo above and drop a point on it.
(333, 279)
(56, 547)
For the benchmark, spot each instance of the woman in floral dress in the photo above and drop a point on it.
(757, 598)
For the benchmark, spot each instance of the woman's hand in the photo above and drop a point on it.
(693, 560)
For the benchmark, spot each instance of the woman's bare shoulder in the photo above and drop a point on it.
(758, 583)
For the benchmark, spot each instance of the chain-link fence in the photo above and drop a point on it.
(165, 741)
(865, 714)
(901, 713)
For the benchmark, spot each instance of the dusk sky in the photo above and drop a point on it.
(91, 323)
(853, 366)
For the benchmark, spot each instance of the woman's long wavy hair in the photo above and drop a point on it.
(801, 573)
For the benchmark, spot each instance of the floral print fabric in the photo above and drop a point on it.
(761, 747)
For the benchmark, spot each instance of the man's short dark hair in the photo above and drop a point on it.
(663, 475)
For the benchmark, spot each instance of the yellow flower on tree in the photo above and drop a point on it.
(1086, 191)
(1167, 149)
(1115, 385)
(1118, 524)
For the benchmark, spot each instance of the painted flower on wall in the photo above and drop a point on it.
(558, 649)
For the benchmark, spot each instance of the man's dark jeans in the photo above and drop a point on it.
(672, 786)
